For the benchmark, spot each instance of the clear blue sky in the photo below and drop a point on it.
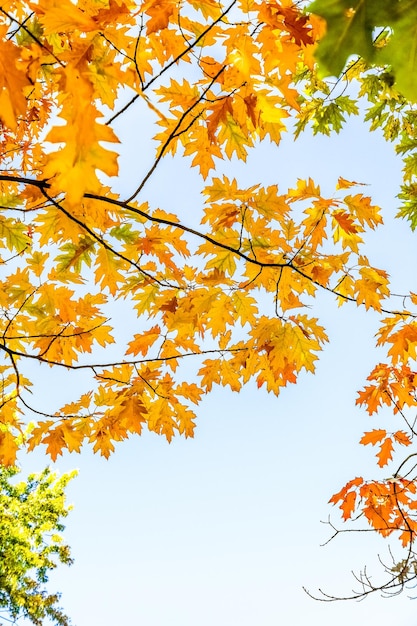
(225, 529)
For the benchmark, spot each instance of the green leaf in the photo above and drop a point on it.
(401, 51)
(349, 32)
(351, 27)
(408, 210)
(73, 256)
(31, 514)
(14, 234)
(124, 233)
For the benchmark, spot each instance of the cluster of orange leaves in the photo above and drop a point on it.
(389, 505)
(233, 294)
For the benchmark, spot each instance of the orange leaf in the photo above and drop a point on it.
(54, 442)
(373, 437)
(219, 114)
(385, 453)
(142, 342)
(8, 448)
(340, 495)
(159, 12)
(345, 222)
(348, 505)
(401, 437)
(13, 82)
(250, 103)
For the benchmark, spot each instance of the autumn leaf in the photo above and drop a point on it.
(342, 183)
(102, 441)
(159, 12)
(55, 442)
(64, 17)
(73, 167)
(234, 139)
(347, 497)
(402, 437)
(386, 443)
(348, 505)
(385, 453)
(340, 495)
(73, 435)
(372, 287)
(9, 447)
(218, 114)
(345, 222)
(132, 415)
(14, 83)
(143, 341)
(373, 437)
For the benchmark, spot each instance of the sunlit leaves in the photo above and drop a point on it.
(152, 309)
(255, 243)
(14, 235)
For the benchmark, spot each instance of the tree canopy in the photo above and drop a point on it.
(232, 295)
(31, 545)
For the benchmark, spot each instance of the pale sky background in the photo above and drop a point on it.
(224, 530)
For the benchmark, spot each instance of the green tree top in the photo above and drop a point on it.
(31, 544)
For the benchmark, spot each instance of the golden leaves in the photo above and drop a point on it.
(14, 82)
(66, 17)
(372, 286)
(73, 167)
(131, 297)
(126, 294)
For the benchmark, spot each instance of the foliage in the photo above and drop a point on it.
(384, 36)
(234, 294)
(31, 545)
(383, 33)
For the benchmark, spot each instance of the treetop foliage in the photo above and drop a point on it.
(232, 295)
(382, 33)
(31, 545)
(371, 46)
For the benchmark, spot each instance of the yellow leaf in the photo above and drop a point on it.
(236, 142)
(73, 167)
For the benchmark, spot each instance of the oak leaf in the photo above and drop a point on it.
(159, 12)
(14, 83)
(143, 341)
(402, 437)
(385, 453)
